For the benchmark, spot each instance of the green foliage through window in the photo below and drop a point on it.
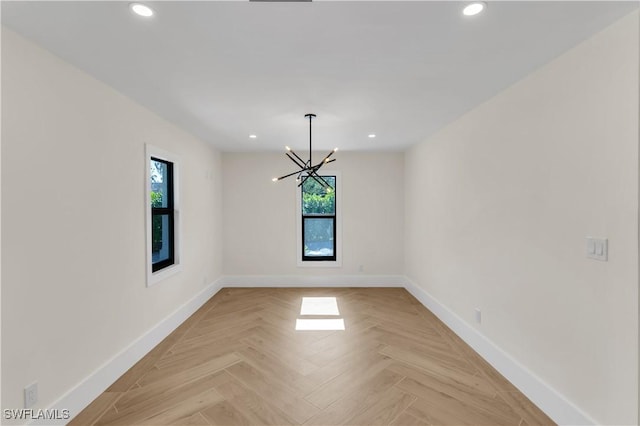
(156, 222)
(156, 199)
(316, 199)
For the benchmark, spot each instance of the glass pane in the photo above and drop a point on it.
(318, 199)
(159, 181)
(318, 237)
(160, 243)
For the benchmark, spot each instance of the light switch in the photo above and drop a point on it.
(597, 248)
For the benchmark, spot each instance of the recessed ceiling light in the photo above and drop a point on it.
(474, 8)
(141, 9)
(253, 136)
(372, 136)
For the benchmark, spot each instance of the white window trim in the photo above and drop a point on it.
(321, 263)
(156, 277)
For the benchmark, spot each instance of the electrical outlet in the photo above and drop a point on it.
(478, 316)
(31, 395)
(361, 268)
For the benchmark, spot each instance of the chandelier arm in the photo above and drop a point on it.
(298, 157)
(316, 176)
(319, 166)
(314, 172)
(322, 183)
(299, 164)
(328, 155)
(290, 174)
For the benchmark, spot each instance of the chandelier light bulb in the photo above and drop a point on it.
(274, 179)
(287, 148)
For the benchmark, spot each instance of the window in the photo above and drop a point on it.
(162, 214)
(319, 225)
(319, 218)
(163, 224)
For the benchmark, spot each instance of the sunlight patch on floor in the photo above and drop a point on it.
(319, 324)
(319, 306)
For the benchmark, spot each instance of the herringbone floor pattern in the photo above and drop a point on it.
(239, 360)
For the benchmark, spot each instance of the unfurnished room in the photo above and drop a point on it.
(260, 212)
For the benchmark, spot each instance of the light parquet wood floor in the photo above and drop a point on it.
(239, 361)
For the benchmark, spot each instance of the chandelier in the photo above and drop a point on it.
(307, 168)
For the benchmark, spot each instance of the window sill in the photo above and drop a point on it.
(319, 264)
(163, 274)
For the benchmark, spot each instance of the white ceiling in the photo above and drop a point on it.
(224, 70)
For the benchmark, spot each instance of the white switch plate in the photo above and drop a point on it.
(31, 395)
(598, 248)
(478, 316)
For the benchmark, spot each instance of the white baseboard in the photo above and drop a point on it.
(91, 387)
(313, 281)
(554, 404)
(558, 407)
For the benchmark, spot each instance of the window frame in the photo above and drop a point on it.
(173, 265)
(165, 211)
(313, 261)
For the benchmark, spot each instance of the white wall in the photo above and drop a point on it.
(73, 220)
(0, 239)
(260, 215)
(498, 205)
